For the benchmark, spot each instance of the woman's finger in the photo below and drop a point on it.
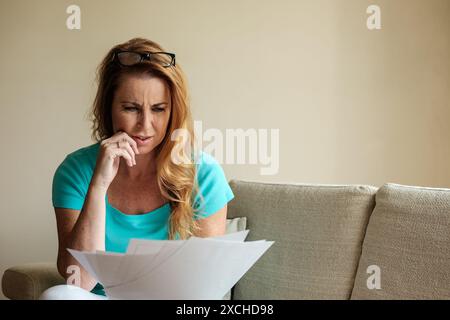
(125, 144)
(130, 140)
(121, 152)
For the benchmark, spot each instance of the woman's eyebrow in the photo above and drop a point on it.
(138, 105)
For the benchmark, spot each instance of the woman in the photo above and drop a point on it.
(131, 183)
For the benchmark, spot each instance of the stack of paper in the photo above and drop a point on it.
(197, 268)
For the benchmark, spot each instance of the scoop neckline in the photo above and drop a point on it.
(136, 216)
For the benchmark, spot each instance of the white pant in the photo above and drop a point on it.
(69, 292)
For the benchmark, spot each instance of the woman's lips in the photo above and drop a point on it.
(141, 142)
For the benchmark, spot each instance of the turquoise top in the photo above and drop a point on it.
(71, 183)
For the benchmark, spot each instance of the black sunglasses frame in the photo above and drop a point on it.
(144, 56)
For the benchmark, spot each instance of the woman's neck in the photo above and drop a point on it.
(144, 169)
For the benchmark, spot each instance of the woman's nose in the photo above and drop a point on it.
(146, 119)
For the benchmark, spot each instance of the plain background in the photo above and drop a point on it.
(353, 106)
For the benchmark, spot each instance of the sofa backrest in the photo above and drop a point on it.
(407, 245)
(318, 232)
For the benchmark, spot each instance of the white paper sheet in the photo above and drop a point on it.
(197, 268)
(148, 254)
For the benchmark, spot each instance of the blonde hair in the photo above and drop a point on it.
(177, 182)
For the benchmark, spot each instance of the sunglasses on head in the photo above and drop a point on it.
(129, 58)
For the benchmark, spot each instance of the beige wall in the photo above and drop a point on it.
(352, 105)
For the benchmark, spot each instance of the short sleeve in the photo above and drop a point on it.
(214, 190)
(69, 186)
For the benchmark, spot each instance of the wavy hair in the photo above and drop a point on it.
(177, 182)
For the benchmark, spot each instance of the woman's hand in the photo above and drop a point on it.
(108, 159)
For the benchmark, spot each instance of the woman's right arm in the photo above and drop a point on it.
(85, 230)
(81, 230)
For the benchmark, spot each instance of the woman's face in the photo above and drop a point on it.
(141, 107)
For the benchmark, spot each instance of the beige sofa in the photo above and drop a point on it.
(331, 242)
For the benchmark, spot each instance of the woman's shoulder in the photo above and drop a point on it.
(206, 161)
(85, 152)
(208, 167)
(81, 159)
(72, 177)
(214, 190)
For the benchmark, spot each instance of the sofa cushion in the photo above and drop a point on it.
(408, 239)
(318, 232)
(236, 224)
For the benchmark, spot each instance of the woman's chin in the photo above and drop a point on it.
(145, 150)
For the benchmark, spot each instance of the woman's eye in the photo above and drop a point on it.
(137, 109)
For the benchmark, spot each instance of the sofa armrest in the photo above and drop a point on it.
(28, 281)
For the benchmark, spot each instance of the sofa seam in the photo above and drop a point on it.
(362, 245)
